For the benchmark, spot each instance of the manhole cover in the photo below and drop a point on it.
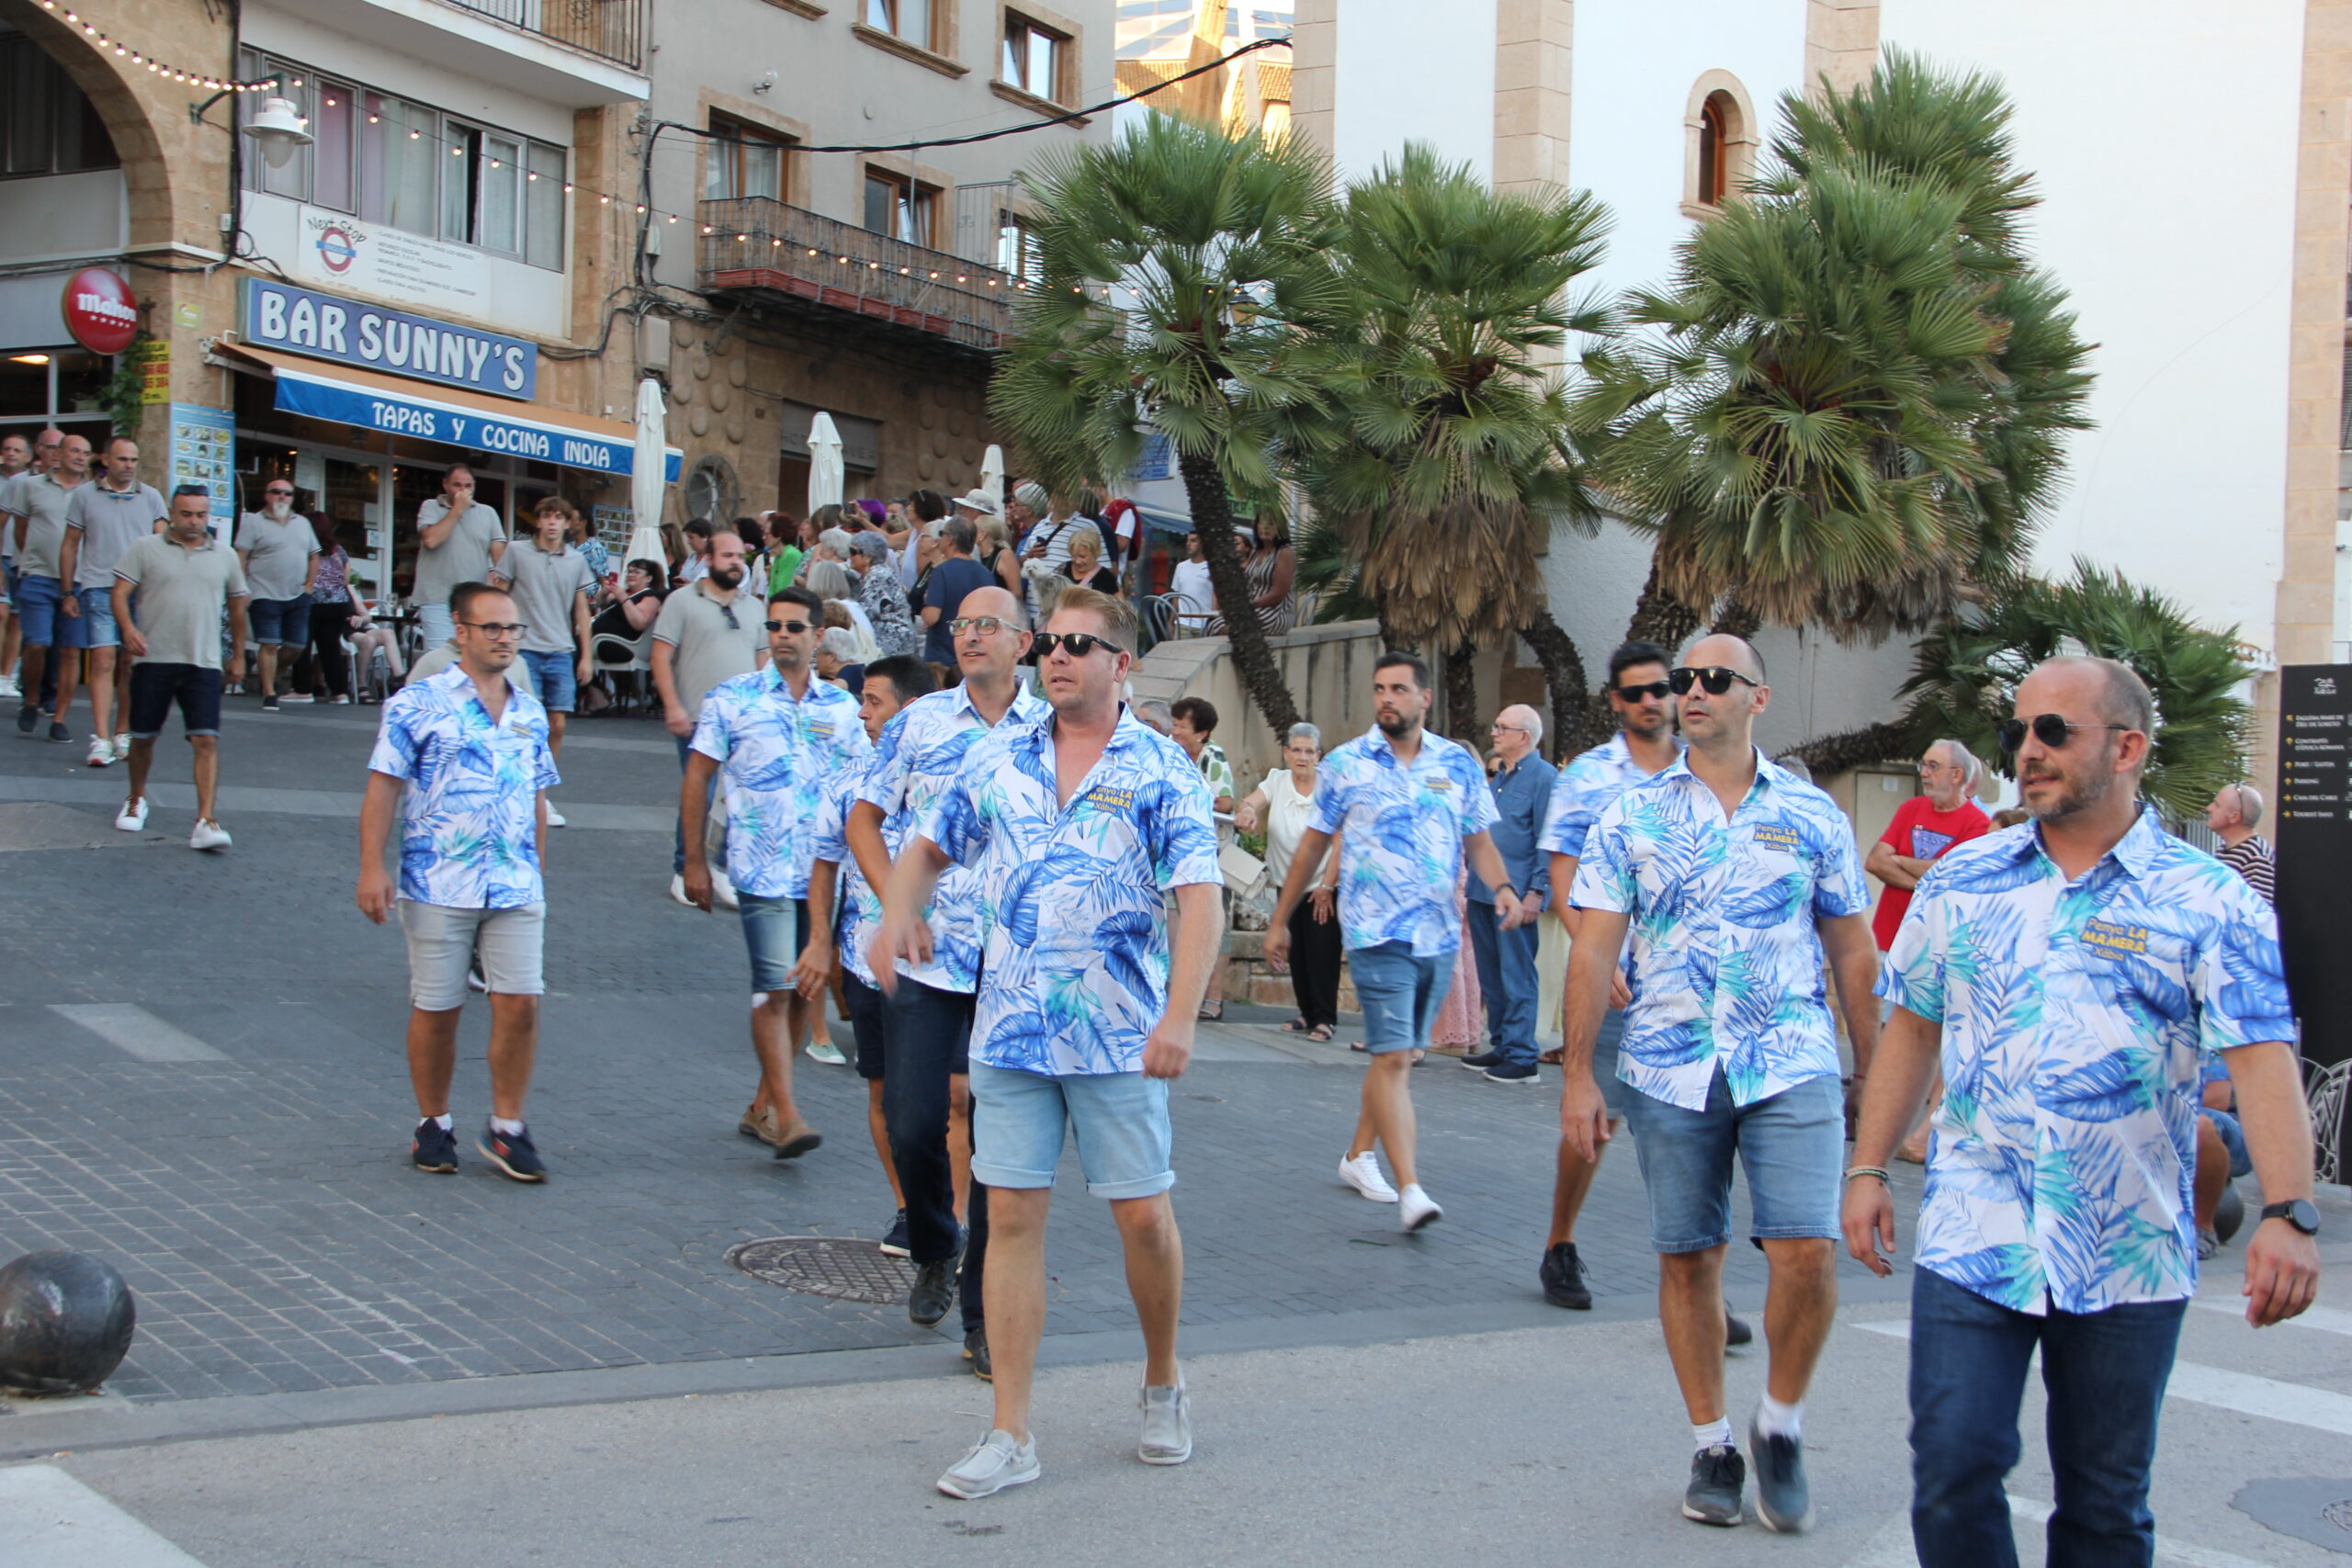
(2315, 1511)
(826, 1265)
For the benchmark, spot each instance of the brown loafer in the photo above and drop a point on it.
(797, 1139)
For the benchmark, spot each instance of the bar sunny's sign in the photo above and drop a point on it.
(373, 337)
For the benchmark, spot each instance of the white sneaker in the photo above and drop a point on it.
(1363, 1173)
(722, 892)
(298, 697)
(122, 746)
(343, 701)
(208, 836)
(101, 752)
(132, 817)
(8, 686)
(1167, 1426)
(1417, 1208)
(825, 1051)
(995, 1462)
(678, 890)
(555, 817)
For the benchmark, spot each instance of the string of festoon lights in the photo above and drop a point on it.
(138, 57)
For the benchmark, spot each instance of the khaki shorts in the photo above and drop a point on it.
(443, 940)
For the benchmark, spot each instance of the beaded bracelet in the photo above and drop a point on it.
(1879, 1171)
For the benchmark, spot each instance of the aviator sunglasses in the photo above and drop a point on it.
(2048, 728)
(1715, 678)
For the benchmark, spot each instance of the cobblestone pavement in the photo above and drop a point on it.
(203, 1081)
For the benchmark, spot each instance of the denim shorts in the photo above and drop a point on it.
(443, 940)
(1120, 1121)
(1792, 1145)
(93, 627)
(776, 929)
(37, 601)
(554, 678)
(1399, 994)
(2232, 1136)
(156, 688)
(286, 622)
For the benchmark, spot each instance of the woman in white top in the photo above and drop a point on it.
(1282, 805)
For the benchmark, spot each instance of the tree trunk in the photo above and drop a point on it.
(1392, 636)
(1252, 658)
(1565, 678)
(1462, 696)
(1734, 618)
(1660, 617)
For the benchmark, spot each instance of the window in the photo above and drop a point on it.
(750, 161)
(908, 20)
(1714, 152)
(55, 386)
(1033, 56)
(900, 208)
(1016, 247)
(1719, 149)
(47, 127)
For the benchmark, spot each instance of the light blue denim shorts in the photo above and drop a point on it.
(1119, 1119)
(1792, 1147)
(1400, 994)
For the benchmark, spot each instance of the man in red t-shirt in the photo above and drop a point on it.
(1925, 827)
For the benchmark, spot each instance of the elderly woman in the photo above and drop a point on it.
(830, 582)
(837, 661)
(1283, 806)
(886, 601)
(1085, 568)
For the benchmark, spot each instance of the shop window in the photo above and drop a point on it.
(56, 385)
(47, 127)
(900, 208)
(1033, 56)
(744, 161)
(908, 20)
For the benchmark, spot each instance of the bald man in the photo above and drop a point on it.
(1522, 791)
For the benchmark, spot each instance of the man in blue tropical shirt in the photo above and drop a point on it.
(1733, 876)
(2069, 973)
(782, 737)
(1077, 825)
(1406, 807)
(469, 748)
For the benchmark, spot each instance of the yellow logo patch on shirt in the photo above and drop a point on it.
(2114, 940)
(1103, 798)
(1778, 838)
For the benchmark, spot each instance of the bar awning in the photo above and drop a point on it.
(452, 415)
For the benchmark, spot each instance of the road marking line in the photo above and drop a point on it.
(46, 1517)
(1891, 1547)
(136, 1031)
(2248, 1395)
(2327, 1320)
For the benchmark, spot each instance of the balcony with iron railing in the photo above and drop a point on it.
(801, 260)
(609, 29)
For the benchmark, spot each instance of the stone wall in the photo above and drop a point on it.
(1328, 668)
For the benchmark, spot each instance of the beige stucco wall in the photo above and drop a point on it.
(1328, 668)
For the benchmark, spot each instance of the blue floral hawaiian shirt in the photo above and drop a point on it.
(1726, 968)
(2074, 1014)
(780, 756)
(1071, 907)
(1585, 789)
(921, 751)
(857, 909)
(1401, 827)
(469, 820)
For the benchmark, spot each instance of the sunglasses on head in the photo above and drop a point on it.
(1078, 644)
(2048, 728)
(792, 629)
(1661, 690)
(1715, 678)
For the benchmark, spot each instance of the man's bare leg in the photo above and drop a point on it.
(1572, 1177)
(432, 1056)
(1800, 1305)
(773, 1038)
(204, 763)
(102, 692)
(1388, 1100)
(1155, 1254)
(959, 1142)
(143, 757)
(1014, 1292)
(514, 1048)
(881, 1131)
(1691, 1310)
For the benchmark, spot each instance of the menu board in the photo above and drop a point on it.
(2315, 843)
(204, 452)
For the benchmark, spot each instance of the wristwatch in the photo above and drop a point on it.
(2299, 1212)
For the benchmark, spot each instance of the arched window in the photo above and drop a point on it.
(1720, 134)
(1715, 151)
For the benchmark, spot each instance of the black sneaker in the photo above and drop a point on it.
(59, 732)
(27, 718)
(976, 1350)
(434, 1148)
(1563, 1276)
(1513, 1072)
(934, 1290)
(894, 1240)
(1717, 1474)
(1483, 1060)
(513, 1154)
(269, 703)
(1735, 1329)
(1783, 1501)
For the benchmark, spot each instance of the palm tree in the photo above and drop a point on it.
(1180, 272)
(1463, 449)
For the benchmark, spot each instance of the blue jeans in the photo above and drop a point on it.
(2105, 1373)
(1506, 963)
(1399, 994)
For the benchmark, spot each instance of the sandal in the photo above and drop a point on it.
(1554, 1057)
(1321, 1032)
(1297, 1026)
(1357, 1045)
(1211, 1013)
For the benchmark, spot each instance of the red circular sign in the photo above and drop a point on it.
(100, 311)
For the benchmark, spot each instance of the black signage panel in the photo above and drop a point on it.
(2314, 842)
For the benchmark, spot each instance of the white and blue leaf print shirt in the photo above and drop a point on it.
(1071, 899)
(1587, 787)
(469, 820)
(2074, 1014)
(1402, 824)
(780, 754)
(921, 751)
(857, 909)
(1726, 961)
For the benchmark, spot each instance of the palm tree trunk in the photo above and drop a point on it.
(1252, 658)
(1462, 696)
(1855, 748)
(1734, 618)
(1563, 677)
(1660, 617)
(1392, 636)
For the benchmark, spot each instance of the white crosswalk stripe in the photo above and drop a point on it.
(137, 1032)
(49, 1518)
(2326, 1320)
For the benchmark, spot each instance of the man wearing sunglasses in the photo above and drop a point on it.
(463, 757)
(2070, 978)
(1074, 824)
(708, 632)
(1733, 877)
(782, 738)
(280, 554)
(927, 1007)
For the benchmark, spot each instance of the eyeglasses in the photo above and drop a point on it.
(1661, 690)
(498, 631)
(790, 628)
(1077, 644)
(2048, 728)
(990, 625)
(1715, 677)
(275, 490)
(1499, 727)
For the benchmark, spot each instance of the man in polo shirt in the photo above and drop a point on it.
(281, 559)
(36, 505)
(184, 579)
(550, 582)
(927, 1015)
(1074, 824)
(2071, 975)
(462, 756)
(784, 738)
(708, 632)
(15, 457)
(1505, 959)
(102, 520)
(458, 540)
(1733, 877)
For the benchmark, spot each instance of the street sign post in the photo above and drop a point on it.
(2313, 839)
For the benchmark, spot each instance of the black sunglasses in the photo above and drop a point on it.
(1658, 689)
(2048, 728)
(1715, 677)
(793, 627)
(733, 624)
(1079, 644)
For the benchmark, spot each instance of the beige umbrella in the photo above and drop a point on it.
(648, 468)
(993, 476)
(826, 474)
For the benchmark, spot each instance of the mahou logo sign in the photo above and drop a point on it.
(100, 311)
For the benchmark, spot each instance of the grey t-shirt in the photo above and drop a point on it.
(464, 556)
(40, 499)
(182, 593)
(542, 586)
(277, 554)
(109, 521)
(705, 649)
